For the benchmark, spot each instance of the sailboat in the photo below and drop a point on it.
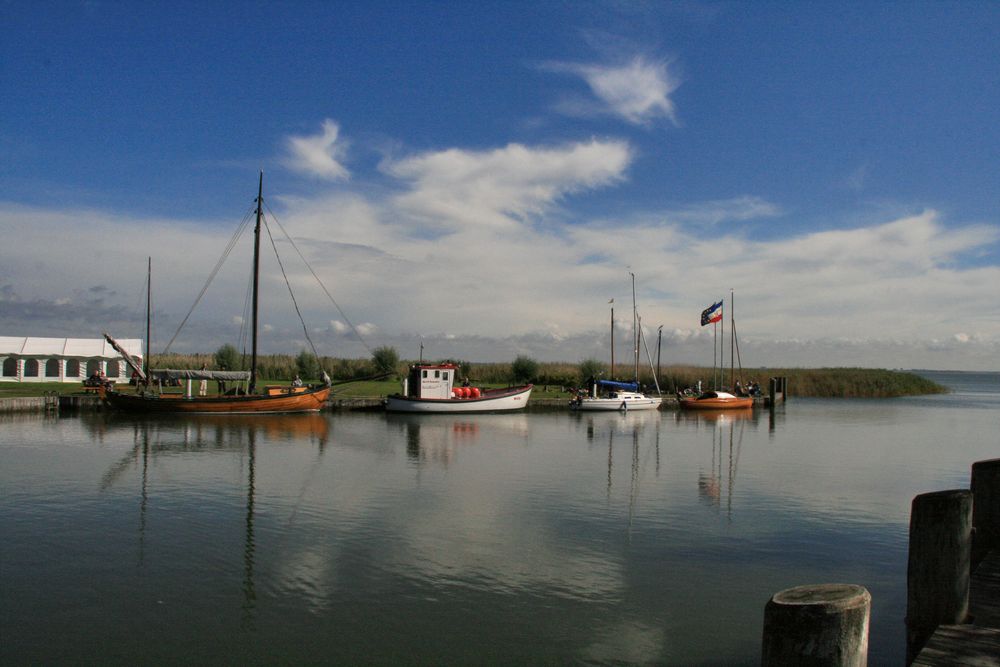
(242, 399)
(611, 395)
(716, 399)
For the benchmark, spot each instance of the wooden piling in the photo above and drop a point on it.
(817, 625)
(985, 509)
(938, 568)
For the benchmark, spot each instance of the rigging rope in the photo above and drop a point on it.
(218, 265)
(325, 290)
(295, 302)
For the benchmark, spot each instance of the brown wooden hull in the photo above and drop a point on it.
(311, 400)
(736, 403)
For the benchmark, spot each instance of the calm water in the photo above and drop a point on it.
(548, 537)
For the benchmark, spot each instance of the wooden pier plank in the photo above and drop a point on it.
(976, 644)
(969, 645)
(984, 592)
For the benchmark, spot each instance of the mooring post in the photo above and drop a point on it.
(985, 509)
(820, 625)
(937, 576)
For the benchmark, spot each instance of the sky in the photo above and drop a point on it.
(483, 179)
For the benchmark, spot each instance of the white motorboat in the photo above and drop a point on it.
(430, 388)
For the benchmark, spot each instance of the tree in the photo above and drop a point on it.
(228, 357)
(524, 369)
(308, 365)
(385, 360)
(590, 368)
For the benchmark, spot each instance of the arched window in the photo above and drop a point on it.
(112, 369)
(93, 366)
(73, 368)
(10, 367)
(31, 368)
(52, 368)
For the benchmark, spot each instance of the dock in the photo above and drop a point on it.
(978, 642)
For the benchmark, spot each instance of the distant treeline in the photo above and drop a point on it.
(808, 382)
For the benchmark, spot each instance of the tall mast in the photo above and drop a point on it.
(149, 308)
(635, 331)
(722, 347)
(256, 279)
(612, 339)
(732, 340)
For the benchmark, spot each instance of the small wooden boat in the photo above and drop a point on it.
(715, 400)
(430, 388)
(244, 399)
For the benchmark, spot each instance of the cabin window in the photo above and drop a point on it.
(437, 375)
(444, 376)
(9, 367)
(425, 373)
(113, 369)
(93, 366)
(52, 368)
(73, 368)
(31, 368)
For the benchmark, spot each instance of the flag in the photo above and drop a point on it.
(711, 314)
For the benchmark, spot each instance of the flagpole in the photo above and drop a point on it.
(715, 354)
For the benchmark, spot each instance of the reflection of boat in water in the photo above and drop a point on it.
(430, 388)
(710, 484)
(713, 415)
(438, 437)
(230, 431)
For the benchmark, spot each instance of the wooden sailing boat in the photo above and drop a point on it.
(272, 399)
(717, 399)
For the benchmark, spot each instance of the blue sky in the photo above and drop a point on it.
(484, 176)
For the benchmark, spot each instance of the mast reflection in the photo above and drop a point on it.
(727, 442)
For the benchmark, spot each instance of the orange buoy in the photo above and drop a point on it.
(474, 392)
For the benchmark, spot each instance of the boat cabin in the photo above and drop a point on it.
(430, 381)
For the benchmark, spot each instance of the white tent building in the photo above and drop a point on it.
(27, 359)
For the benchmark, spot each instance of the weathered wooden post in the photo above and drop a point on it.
(817, 625)
(985, 509)
(937, 576)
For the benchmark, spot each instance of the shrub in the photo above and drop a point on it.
(524, 369)
(385, 360)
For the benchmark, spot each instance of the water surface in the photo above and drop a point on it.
(524, 538)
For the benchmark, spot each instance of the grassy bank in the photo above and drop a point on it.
(551, 379)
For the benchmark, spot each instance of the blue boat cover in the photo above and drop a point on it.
(626, 386)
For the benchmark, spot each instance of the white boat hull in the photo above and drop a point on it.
(495, 400)
(616, 404)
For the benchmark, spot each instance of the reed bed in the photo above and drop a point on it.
(806, 382)
(550, 377)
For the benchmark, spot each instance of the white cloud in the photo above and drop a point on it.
(637, 91)
(501, 188)
(319, 155)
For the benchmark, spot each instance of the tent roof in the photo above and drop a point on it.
(27, 346)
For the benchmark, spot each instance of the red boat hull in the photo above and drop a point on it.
(308, 400)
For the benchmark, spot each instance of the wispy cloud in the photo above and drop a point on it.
(637, 91)
(319, 155)
(497, 188)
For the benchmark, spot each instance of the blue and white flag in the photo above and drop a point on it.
(711, 314)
